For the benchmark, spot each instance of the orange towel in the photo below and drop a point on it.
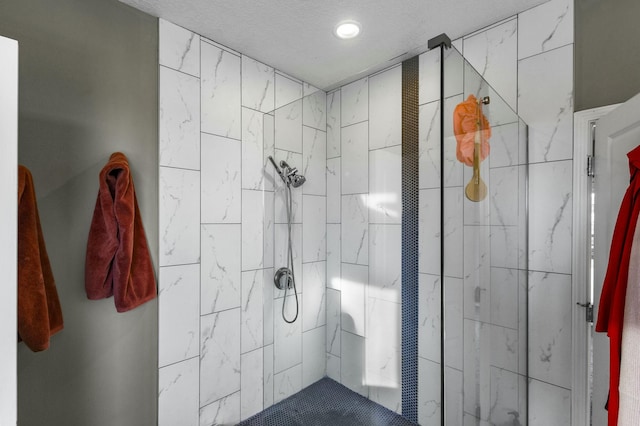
(465, 126)
(118, 261)
(39, 312)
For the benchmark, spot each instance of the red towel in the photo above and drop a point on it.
(118, 261)
(614, 287)
(39, 312)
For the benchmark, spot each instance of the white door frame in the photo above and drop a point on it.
(582, 145)
(8, 228)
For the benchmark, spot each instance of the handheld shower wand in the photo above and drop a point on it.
(280, 172)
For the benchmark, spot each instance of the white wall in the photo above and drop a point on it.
(8, 228)
(224, 351)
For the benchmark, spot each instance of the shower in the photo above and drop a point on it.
(284, 278)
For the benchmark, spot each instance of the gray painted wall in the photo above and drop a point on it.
(606, 52)
(88, 87)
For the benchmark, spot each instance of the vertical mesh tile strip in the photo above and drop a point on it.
(410, 190)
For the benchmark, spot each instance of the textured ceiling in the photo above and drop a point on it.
(296, 36)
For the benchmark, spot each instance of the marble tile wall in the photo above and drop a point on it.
(225, 352)
(529, 60)
(364, 213)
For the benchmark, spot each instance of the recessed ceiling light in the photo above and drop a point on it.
(347, 29)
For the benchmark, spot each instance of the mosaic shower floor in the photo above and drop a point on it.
(324, 403)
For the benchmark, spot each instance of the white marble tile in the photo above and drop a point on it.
(470, 420)
(314, 228)
(308, 89)
(314, 162)
(549, 405)
(258, 82)
(256, 172)
(251, 394)
(269, 228)
(429, 396)
(179, 123)
(220, 89)
(429, 339)
(334, 172)
(219, 355)
(333, 367)
(454, 395)
(179, 48)
(353, 363)
(179, 216)
(453, 169)
(178, 394)
(385, 266)
(550, 328)
(287, 383)
(313, 355)
(453, 231)
(504, 348)
(504, 246)
(313, 295)
(503, 194)
(354, 283)
(288, 130)
(287, 337)
(287, 90)
(281, 251)
(505, 398)
(505, 146)
(314, 110)
(454, 339)
(429, 76)
(253, 210)
(385, 108)
(268, 304)
(334, 124)
(547, 109)
(178, 313)
(251, 313)
(429, 231)
(523, 321)
(504, 297)
(220, 187)
(333, 256)
(294, 160)
(545, 27)
(454, 72)
(477, 361)
(493, 53)
(389, 397)
(355, 229)
(333, 322)
(225, 411)
(385, 185)
(268, 376)
(220, 275)
(355, 102)
(383, 349)
(477, 273)
(550, 216)
(355, 159)
(429, 145)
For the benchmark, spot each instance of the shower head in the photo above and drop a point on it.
(297, 180)
(288, 174)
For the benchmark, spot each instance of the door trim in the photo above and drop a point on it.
(580, 336)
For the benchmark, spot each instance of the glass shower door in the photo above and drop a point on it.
(473, 224)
